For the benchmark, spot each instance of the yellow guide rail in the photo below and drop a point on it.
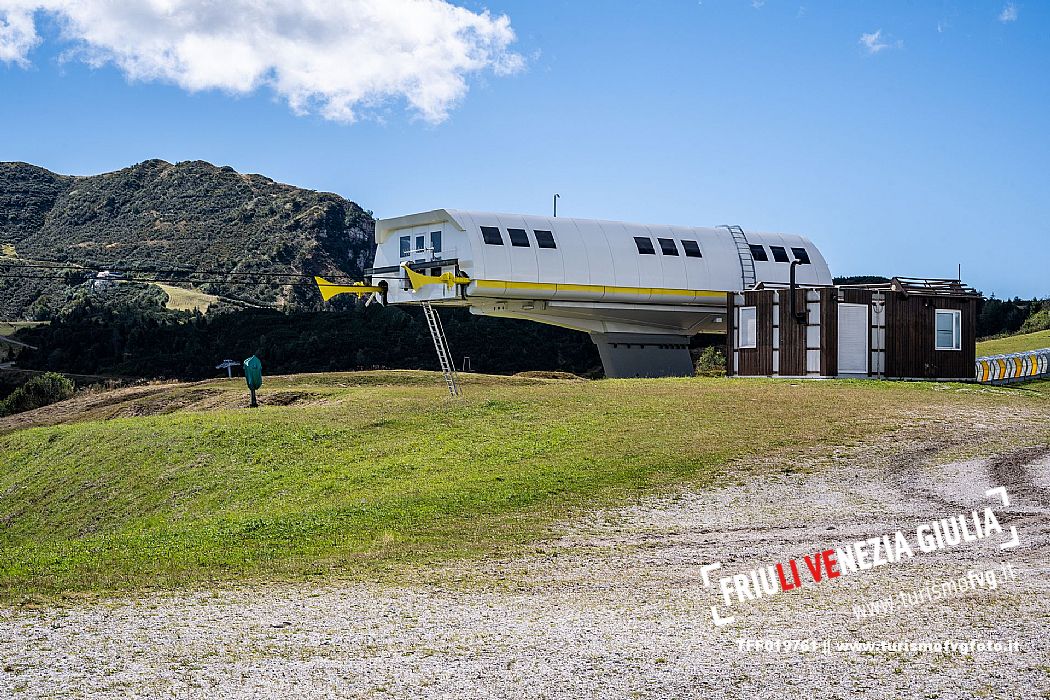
(329, 290)
(418, 279)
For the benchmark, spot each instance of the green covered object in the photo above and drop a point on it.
(253, 372)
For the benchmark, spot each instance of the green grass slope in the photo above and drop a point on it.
(1014, 343)
(366, 474)
(11, 327)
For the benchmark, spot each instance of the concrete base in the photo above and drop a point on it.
(644, 355)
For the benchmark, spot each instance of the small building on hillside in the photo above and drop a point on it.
(908, 328)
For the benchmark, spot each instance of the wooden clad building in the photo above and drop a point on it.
(906, 329)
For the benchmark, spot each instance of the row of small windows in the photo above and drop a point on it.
(668, 246)
(519, 238)
(758, 252)
(421, 244)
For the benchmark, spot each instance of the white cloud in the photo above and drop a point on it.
(17, 35)
(1009, 13)
(876, 42)
(335, 57)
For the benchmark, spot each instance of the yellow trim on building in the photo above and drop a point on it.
(598, 289)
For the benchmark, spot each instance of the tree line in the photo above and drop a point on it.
(129, 333)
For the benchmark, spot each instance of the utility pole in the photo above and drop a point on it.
(227, 365)
(556, 198)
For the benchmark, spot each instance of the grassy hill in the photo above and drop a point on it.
(1014, 343)
(182, 299)
(190, 215)
(368, 474)
(11, 327)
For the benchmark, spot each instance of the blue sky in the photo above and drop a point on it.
(922, 146)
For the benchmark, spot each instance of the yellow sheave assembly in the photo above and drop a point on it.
(418, 280)
(329, 290)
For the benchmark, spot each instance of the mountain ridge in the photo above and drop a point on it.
(190, 215)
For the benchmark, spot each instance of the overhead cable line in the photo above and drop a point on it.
(74, 267)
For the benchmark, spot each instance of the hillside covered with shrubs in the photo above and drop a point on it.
(189, 216)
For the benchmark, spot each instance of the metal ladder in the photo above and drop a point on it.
(747, 262)
(437, 333)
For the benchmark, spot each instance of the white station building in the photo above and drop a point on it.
(639, 290)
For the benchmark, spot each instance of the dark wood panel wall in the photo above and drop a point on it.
(781, 345)
(911, 338)
(730, 332)
(829, 329)
(758, 361)
(902, 337)
(792, 355)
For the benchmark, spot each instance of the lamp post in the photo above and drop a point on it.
(556, 198)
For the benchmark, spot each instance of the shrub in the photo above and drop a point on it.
(711, 363)
(1039, 321)
(41, 390)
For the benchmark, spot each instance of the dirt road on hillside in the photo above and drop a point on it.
(617, 606)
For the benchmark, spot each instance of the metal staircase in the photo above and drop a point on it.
(743, 249)
(437, 333)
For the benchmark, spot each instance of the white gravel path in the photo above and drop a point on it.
(615, 608)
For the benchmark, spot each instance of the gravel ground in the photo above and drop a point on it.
(616, 606)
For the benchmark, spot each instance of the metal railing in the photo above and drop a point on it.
(1013, 367)
(743, 249)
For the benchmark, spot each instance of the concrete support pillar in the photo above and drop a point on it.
(644, 355)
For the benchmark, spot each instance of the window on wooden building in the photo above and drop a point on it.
(949, 329)
(747, 327)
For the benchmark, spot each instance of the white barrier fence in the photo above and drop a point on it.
(1015, 367)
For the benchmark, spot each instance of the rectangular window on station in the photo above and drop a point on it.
(747, 328)
(491, 235)
(759, 253)
(518, 237)
(406, 246)
(692, 249)
(949, 329)
(802, 255)
(544, 239)
(421, 244)
(435, 241)
(780, 254)
(667, 246)
(645, 245)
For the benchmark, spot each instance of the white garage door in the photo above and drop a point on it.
(853, 338)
